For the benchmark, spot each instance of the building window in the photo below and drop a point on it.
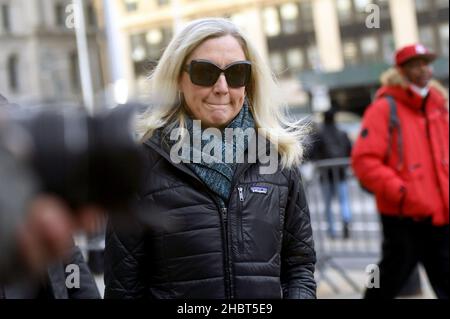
(6, 19)
(422, 5)
(295, 59)
(59, 14)
(147, 48)
(131, 5)
(155, 45)
(163, 2)
(271, 22)
(441, 3)
(13, 73)
(138, 54)
(361, 5)
(277, 63)
(138, 48)
(313, 57)
(74, 71)
(344, 8)
(350, 50)
(369, 49)
(443, 34)
(306, 12)
(426, 37)
(388, 45)
(91, 17)
(154, 37)
(384, 7)
(289, 17)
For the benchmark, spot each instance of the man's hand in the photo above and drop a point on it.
(46, 235)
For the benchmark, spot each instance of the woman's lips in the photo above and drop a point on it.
(217, 105)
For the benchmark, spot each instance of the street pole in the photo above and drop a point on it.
(83, 56)
(115, 53)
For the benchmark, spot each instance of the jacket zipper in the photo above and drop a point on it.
(223, 212)
(224, 215)
(239, 220)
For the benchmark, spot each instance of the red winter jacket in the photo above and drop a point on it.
(420, 187)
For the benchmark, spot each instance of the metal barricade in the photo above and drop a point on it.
(349, 228)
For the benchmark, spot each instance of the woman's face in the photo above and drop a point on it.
(218, 104)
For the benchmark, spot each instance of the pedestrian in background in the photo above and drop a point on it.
(329, 142)
(402, 155)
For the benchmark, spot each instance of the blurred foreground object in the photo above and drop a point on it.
(86, 162)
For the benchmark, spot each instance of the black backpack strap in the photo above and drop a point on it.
(394, 124)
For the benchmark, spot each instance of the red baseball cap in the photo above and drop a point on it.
(413, 51)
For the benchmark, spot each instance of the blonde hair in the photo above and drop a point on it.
(269, 111)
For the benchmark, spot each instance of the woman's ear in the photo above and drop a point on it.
(180, 83)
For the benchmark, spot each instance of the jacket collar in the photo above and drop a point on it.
(394, 84)
(404, 95)
(153, 143)
(410, 98)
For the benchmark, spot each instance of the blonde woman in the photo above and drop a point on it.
(217, 216)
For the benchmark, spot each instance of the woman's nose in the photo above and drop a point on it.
(221, 85)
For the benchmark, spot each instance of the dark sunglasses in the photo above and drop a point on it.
(206, 73)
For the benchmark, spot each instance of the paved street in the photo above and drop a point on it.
(325, 291)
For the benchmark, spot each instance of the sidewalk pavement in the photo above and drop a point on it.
(324, 291)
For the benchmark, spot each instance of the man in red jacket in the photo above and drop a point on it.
(406, 167)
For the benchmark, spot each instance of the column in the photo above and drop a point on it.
(404, 22)
(328, 38)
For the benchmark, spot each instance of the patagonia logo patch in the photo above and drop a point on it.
(259, 189)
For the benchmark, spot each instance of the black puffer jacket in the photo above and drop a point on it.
(183, 246)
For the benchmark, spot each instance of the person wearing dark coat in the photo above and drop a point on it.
(330, 142)
(214, 227)
(406, 167)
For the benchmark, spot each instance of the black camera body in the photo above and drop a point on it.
(85, 159)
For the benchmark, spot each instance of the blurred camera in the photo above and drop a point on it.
(83, 159)
(80, 158)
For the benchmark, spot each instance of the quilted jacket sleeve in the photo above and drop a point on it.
(298, 256)
(124, 260)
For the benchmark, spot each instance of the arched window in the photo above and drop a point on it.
(13, 73)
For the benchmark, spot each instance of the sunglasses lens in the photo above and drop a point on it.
(238, 74)
(204, 73)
